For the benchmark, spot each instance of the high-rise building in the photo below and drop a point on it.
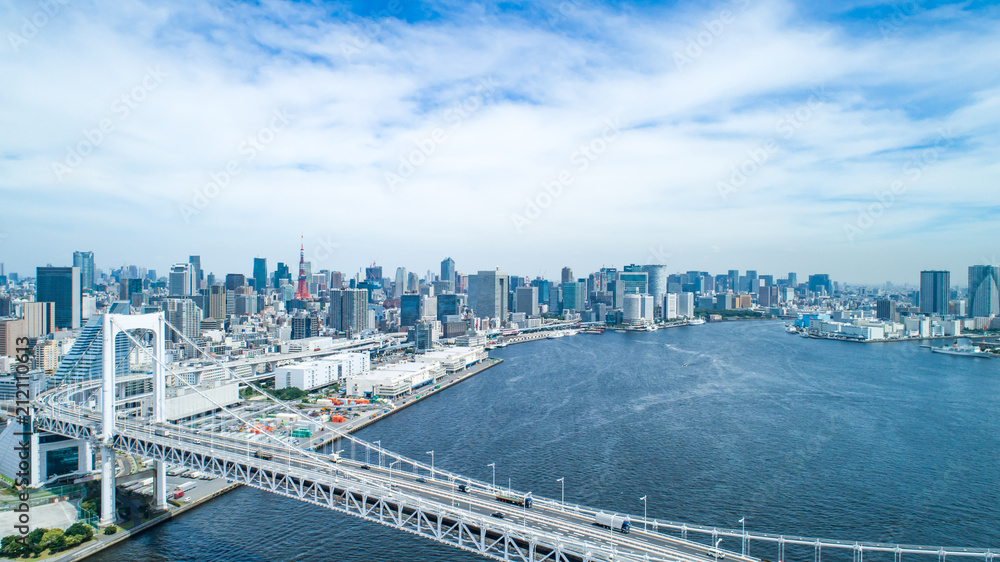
(448, 304)
(197, 275)
(754, 281)
(793, 280)
(544, 288)
(574, 294)
(281, 273)
(180, 280)
(373, 275)
(409, 309)
(260, 274)
(39, 319)
(400, 287)
(85, 261)
(217, 302)
(630, 281)
(349, 310)
(491, 295)
(10, 330)
(820, 283)
(448, 271)
(336, 280)
(61, 285)
(685, 305)
(657, 275)
(526, 300)
(984, 291)
(235, 280)
(885, 309)
(935, 292)
(567, 275)
(185, 316)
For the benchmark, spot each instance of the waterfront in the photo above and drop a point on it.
(712, 422)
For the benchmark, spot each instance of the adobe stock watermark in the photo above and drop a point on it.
(581, 158)
(901, 13)
(323, 249)
(658, 256)
(456, 114)
(913, 170)
(758, 156)
(31, 26)
(249, 149)
(370, 27)
(704, 39)
(121, 109)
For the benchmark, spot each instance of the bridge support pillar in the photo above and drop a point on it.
(160, 486)
(107, 486)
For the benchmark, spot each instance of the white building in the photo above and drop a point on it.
(393, 381)
(685, 305)
(310, 375)
(184, 402)
(454, 358)
(670, 306)
(310, 344)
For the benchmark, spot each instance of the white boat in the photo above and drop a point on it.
(696, 322)
(556, 334)
(962, 350)
(791, 329)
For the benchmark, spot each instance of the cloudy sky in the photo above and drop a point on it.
(859, 139)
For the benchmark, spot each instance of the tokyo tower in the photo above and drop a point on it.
(302, 293)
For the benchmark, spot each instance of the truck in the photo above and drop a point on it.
(177, 495)
(612, 521)
(516, 499)
(263, 455)
(186, 486)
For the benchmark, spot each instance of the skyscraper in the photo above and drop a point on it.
(349, 310)
(526, 300)
(574, 294)
(754, 281)
(185, 316)
(409, 309)
(260, 274)
(400, 287)
(180, 282)
(196, 274)
(234, 280)
(85, 261)
(820, 283)
(567, 275)
(491, 295)
(935, 292)
(984, 290)
(657, 276)
(448, 271)
(61, 285)
(630, 281)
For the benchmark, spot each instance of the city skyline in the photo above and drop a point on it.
(767, 135)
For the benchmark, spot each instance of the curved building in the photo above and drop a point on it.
(657, 275)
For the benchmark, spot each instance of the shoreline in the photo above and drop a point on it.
(101, 544)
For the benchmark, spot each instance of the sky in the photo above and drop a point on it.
(858, 138)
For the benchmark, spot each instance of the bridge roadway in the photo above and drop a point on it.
(549, 530)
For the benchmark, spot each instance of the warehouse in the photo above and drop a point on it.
(310, 375)
(454, 358)
(395, 380)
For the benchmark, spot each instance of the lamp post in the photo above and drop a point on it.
(493, 465)
(390, 473)
(743, 539)
(715, 550)
(379, 443)
(643, 500)
(562, 485)
(431, 453)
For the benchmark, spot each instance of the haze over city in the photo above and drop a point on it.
(858, 140)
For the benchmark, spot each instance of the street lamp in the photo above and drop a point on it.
(716, 549)
(390, 473)
(379, 443)
(431, 453)
(643, 500)
(743, 539)
(493, 465)
(562, 485)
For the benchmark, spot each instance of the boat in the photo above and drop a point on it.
(962, 350)
(791, 329)
(652, 328)
(696, 322)
(556, 334)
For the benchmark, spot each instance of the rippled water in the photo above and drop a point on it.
(885, 442)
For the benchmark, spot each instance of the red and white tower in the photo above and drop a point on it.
(302, 293)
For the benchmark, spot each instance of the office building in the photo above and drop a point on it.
(409, 309)
(281, 273)
(820, 284)
(526, 300)
(630, 281)
(448, 271)
(260, 274)
(753, 282)
(670, 306)
(885, 309)
(400, 287)
(491, 295)
(39, 319)
(685, 305)
(10, 330)
(235, 280)
(935, 292)
(574, 296)
(657, 278)
(61, 285)
(180, 281)
(448, 304)
(984, 291)
(567, 275)
(85, 261)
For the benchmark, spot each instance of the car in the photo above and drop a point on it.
(463, 488)
(421, 480)
(497, 514)
(365, 467)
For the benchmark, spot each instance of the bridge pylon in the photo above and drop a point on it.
(115, 324)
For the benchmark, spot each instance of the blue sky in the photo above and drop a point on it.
(855, 138)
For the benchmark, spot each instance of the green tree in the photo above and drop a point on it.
(54, 540)
(111, 530)
(81, 529)
(11, 547)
